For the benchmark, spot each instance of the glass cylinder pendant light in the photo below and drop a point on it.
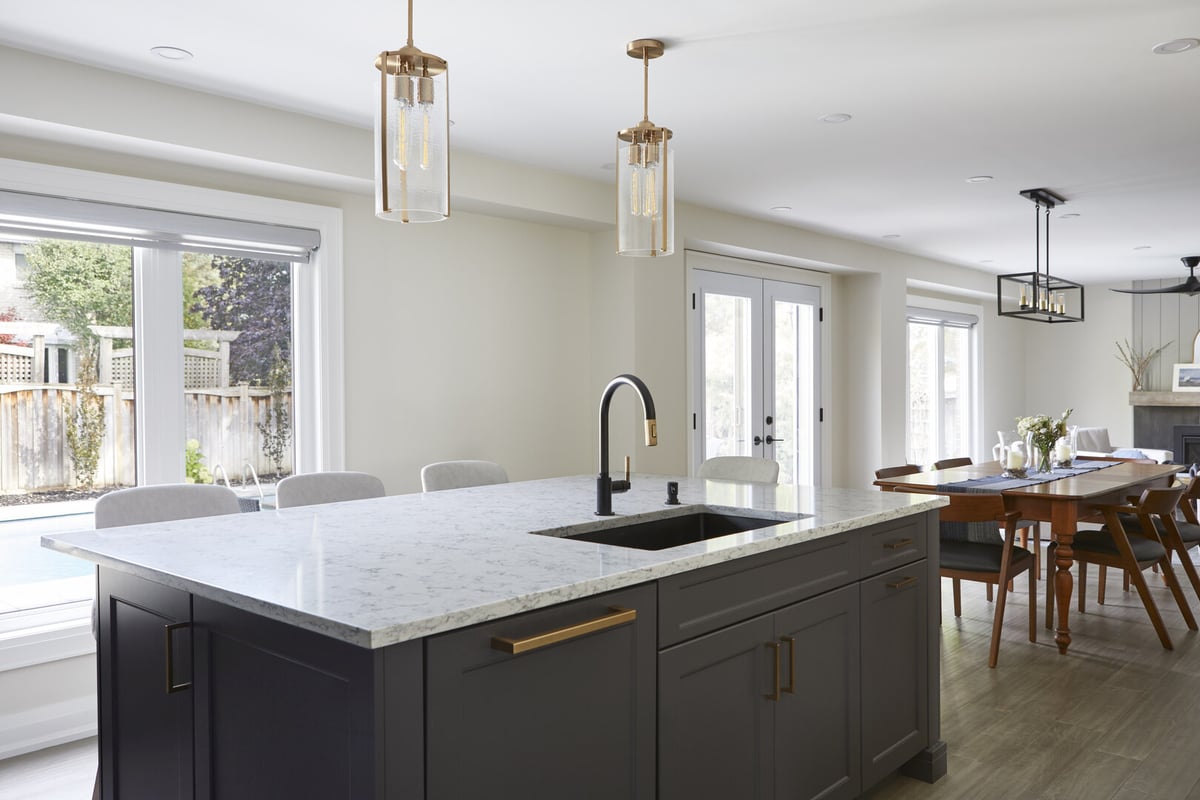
(645, 174)
(412, 135)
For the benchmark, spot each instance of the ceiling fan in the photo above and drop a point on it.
(1190, 287)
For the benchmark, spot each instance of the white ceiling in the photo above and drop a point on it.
(1064, 94)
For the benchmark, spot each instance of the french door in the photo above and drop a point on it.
(756, 372)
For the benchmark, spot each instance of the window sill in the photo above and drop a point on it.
(39, 636)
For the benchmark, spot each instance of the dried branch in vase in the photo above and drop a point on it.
(1138, 361)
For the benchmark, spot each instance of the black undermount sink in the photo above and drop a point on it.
(659, 534)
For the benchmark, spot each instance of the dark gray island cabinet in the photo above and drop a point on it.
(799, 672)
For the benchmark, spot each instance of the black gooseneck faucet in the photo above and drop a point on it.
(603, 481)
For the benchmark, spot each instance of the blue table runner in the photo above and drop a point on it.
(986, 532)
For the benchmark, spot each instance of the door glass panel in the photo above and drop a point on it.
(727, 375)
(794, 380)
(237, 379)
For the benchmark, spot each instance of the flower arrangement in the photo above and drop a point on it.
(1043, 432)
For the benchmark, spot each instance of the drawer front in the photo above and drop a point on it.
(551, 704)
(694, 603)
(894, 544)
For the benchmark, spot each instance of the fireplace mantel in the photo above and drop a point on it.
(1188, 399)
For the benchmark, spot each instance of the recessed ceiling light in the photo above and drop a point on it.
(1142, 247)
(781, 209)
(172, 53)
(980, 179)
(1071, 215)
(891, 236)
(1176, 46)
(987, 261)
(835, 118)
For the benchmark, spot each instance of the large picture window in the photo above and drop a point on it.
(143, 346)
(941, 378)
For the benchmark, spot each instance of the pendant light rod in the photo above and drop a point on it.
(645, 86)
(410, 39)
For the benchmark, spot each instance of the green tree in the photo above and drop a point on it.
(276, 428)
(78, 284)
(198, 273)
(85, 419)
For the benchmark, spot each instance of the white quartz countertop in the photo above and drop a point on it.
(378, 572)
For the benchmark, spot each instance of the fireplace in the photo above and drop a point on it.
(1187, 444)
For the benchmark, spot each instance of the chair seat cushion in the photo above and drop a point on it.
(1101, 541)
(1187, 531)
(977, 557)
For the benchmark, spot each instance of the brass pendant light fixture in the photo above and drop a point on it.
(412, 135)
(1039, 296)
(645, 174)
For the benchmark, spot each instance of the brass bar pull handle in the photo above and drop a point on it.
(774, 695)
(168, 633)
(617, 616)
(902, 583)
(791, 643)
(898, 544)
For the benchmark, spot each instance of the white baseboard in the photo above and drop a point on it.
(47, 726)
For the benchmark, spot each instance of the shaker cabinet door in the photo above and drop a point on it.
(715, 717)
(895, 630)
(817, 750)
(144, 661)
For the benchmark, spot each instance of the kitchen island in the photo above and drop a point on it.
(398, 648)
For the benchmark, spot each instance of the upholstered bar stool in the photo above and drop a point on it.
(740, 468)
(461, 474)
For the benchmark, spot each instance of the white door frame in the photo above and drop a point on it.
(697, 260)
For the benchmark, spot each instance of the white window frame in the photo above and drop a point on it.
(319, 428)
(317, 313)
(953, 315)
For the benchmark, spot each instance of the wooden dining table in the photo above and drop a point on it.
(1064, 503)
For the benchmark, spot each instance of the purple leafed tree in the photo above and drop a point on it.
(254, 297)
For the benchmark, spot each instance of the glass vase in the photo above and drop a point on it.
(1039, 457)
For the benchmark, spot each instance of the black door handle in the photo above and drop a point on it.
(772, 440)
(759, 440)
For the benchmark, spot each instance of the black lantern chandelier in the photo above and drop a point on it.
(1039, 296)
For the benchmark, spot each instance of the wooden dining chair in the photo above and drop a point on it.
(1023, 530)
(895, 472)
(1117, 545)
(986, 562)
(1177, 535)
(949, 463)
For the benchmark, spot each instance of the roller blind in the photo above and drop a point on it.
(24, 214)
(950, 319)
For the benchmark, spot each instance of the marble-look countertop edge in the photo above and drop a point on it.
(660, 564)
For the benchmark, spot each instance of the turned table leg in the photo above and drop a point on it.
(1064, 557)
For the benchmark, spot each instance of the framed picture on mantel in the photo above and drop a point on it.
(1186, 378)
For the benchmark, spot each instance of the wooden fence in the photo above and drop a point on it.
(33, 441)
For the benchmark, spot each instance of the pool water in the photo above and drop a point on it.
(32, 576)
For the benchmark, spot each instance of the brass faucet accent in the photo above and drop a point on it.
(603, 481)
